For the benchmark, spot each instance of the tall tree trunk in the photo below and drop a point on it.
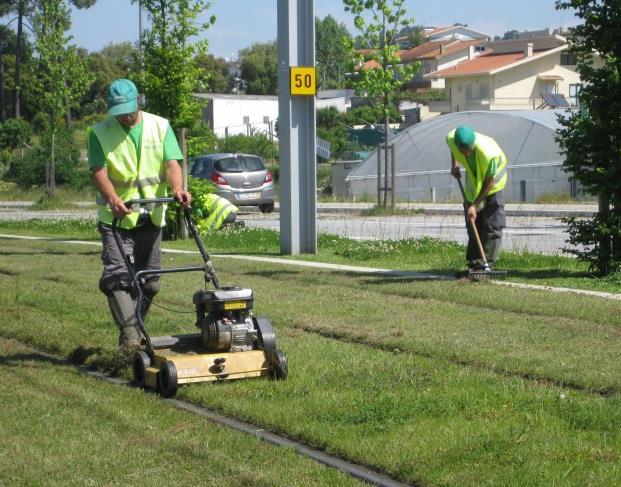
(18, 57)
(2, 99)
(605, 243)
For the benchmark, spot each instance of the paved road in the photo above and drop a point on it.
(541, 234)
(544, 235)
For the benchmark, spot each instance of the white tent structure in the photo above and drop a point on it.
(422, 158)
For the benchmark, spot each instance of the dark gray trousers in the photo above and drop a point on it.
(489, 223)
(143, 243)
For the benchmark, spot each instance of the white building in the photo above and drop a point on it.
(239, 114)
(243, 114)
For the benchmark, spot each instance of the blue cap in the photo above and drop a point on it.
(464, 137)
(122, 97)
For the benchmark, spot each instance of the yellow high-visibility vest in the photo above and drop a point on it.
(485, 149)
(133, 178)
(218, 209)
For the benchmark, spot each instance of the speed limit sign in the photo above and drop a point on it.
(303, 80)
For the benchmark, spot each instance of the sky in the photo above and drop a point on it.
(240, 23)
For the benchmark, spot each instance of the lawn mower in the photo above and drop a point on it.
(232, 342)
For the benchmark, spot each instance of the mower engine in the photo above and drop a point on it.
(225, 319)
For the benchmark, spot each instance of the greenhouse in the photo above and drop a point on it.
(422, 158)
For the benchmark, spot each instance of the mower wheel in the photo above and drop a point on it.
(167, 380)
(139, 366)
(279, 366)
(265, 332)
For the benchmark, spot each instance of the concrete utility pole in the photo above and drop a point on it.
(296, 112)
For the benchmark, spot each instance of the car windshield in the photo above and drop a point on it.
(238, 164)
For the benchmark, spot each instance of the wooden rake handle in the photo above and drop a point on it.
(473, 225)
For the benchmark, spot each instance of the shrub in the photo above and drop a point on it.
(256, 143)
(14, 133)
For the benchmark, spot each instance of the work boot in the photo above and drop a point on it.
(131, 338)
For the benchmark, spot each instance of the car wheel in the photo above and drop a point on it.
(267, 208)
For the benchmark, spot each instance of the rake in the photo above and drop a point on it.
(486, 273)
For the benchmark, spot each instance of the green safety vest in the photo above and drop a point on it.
(133, 178)
(218, 209)
(485, 149)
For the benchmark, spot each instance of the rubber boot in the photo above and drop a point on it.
(122, 306)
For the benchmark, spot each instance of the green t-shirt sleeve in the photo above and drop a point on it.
(96, 157)
(492, 168)
(172, 150)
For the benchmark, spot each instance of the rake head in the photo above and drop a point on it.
(487, 275)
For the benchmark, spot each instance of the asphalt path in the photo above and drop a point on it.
(533, 233)
(545, 235)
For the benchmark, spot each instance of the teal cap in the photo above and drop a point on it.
(122, 97)
(464, 137)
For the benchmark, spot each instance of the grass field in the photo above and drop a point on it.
(434, 382)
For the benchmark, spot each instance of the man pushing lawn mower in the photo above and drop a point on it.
(132, 154)
(484, 203)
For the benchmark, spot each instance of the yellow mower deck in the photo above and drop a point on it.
(204, 367)
(183, 359)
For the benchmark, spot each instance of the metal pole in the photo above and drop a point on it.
(392, 176)
(379, 176)
(296, 116)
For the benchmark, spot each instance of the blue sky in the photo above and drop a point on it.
(243, 22)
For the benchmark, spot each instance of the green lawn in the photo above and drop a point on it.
(435, 382)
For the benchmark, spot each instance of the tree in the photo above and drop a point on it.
(510, 34)
(215, 76)
(62, 77)
(591, 138)
(330, 53)
(383, 81)
(259, 68)
(169, 74)
(24, 9)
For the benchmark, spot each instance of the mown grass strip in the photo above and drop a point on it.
(422, 418)
(81, 431)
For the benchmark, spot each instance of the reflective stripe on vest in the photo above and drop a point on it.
(485, 149)
(219, 209)
(132, 178)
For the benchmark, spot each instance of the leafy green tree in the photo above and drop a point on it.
(215, 76)
(384, 80)
(24, 9)
(259, 68)
(170, 70)
(62, 77)
(591, 139)
(330, 53)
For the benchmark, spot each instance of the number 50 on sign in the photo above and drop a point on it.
(303, 80)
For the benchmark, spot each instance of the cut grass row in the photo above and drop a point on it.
(439, 383)
(81, 431)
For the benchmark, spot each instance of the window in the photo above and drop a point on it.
(574, 91)
(484, 90)
(568, 59)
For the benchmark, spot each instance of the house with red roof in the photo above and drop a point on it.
(515, 74)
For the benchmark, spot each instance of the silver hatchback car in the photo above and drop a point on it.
(241, 178)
